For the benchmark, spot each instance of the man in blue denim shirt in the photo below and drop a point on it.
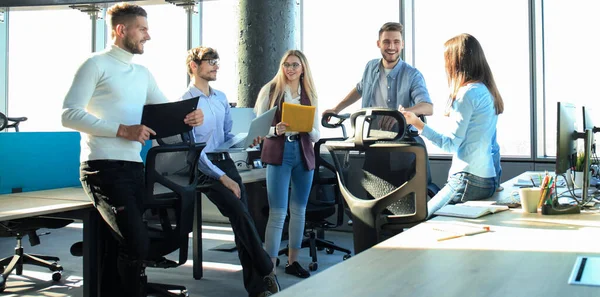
(390, 82)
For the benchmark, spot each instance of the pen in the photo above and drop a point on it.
(532, 182)
(485, 229)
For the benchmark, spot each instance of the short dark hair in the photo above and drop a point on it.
(123, 12)
(198, 54)
(391, 26)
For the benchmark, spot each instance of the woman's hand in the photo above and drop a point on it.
(280, 128)
(413, 119)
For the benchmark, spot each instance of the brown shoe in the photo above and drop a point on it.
(264, 294)
(272, 283)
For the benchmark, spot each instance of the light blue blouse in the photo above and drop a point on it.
(472, 135)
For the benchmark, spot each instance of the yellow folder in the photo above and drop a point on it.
(300, 118)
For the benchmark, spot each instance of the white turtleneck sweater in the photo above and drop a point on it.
(109, 90)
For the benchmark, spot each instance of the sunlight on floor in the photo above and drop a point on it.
(216, 266)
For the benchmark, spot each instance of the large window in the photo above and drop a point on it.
(222, 34)
(502, 29)
(165, 53)
(46, 47)
(571, 62)
(339, 38)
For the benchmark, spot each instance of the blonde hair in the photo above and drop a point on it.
(278, 82)
(466, 63)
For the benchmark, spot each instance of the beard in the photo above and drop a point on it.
(208, 76)
(132, 46)
(390, 59)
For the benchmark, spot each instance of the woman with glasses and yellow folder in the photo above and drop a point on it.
(289, 154)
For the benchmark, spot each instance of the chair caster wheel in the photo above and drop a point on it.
(346, 257)
(277, 262)
(56, 267)
(56, 276)
(329, 251)
(313, 266)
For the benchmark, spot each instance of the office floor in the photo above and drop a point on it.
(222, 272)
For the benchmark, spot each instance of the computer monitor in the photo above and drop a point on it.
(587, 120)
(566, 136)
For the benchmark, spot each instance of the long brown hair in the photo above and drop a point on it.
(279, 81)
(466, 63)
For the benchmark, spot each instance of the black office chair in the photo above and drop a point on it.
(22, 227)
(174, 209)
(379, 196)
(4, 122)
(172, 165)
(324, 200)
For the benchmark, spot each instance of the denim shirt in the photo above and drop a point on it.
(406, 85)
(471, 137)
(216, 128)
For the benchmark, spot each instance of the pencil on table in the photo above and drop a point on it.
(485, 229)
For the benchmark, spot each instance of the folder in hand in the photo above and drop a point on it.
(300, 118)
(166, 119)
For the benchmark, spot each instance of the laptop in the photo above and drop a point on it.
(259, 127)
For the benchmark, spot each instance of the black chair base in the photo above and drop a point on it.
(17, 261)
(314, 243)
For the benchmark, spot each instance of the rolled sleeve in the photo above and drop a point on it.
(418, 89)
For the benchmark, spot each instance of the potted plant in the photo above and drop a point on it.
(578, 170)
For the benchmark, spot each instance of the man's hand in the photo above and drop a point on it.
(280, 128)
(194, 118)
(256, 141)
(139, 133)
(231, 185)
(330, 111)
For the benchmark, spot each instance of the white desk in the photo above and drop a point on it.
(524, 255)
(36, 203)
(61, 203)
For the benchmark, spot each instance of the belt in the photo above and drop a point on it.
(218, 156)
(292, 138)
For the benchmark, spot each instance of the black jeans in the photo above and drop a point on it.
(255, 262)
(117, 191)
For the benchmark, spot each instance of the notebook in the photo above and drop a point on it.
(469, 210)
(259, 127)
(300, 118)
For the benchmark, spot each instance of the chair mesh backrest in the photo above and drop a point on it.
(373, 165)
(175, 163)
(375, 173)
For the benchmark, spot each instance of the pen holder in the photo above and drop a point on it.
(560, 209)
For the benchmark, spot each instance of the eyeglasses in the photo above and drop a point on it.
(211, 62)
(293, 65)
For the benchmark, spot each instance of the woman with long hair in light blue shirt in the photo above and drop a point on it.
(473, 107)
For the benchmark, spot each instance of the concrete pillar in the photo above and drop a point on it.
(266, 33)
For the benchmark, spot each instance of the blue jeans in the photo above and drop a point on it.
(278, 184)
(462, 187)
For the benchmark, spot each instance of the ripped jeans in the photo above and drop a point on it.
(462, 187)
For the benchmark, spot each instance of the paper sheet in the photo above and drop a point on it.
(586, 271)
